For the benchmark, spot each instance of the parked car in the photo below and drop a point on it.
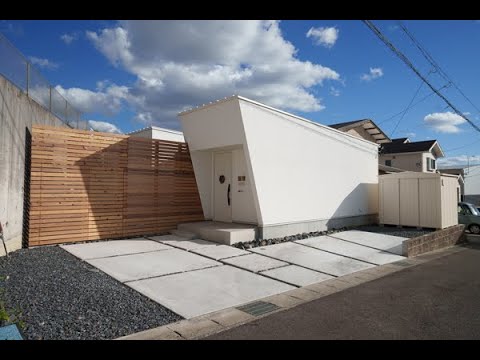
(469, 215)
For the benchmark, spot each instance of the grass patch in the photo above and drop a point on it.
(8, 316)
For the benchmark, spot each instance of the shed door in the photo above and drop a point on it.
(222, 183)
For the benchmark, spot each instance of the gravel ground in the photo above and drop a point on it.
(61, 297)
(394, 231)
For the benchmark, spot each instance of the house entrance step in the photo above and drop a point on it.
(185, 234)
(223, 233)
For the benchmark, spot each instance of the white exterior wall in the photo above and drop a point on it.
(161, 134)
(305, 172)
(144, 133)
(296, 171)
(213, 129)
(157, 133)
(202, 162)
(472, 180)
(242, 196)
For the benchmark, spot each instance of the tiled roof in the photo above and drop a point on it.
(397, 147)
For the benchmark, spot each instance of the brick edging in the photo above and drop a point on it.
(437, 240)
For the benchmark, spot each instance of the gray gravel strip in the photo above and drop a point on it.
(394, 231)
(61, 297)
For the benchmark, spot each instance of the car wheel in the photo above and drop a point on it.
(474, 229)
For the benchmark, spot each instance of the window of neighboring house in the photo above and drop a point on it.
(388, 162)
(431, 164)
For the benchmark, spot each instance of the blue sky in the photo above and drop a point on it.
(132, 74)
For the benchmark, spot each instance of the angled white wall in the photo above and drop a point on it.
(302, 176)
(219, 128)
(307, 172)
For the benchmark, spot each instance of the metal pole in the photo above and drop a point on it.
(50, 99)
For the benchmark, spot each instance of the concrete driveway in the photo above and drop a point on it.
(196, 277)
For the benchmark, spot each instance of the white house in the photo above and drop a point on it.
(158, 133)
(258, 165)
(472, 184)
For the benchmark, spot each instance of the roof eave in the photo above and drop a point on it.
(439, 151)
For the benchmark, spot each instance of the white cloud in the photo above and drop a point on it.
(411, 134)
(446, 122)
(43, 63)
(69, 38)
(461, 160)
(334, 91)
(325, 36)
(104, 126)
(374, 73)
(108, 99)
(180, 64)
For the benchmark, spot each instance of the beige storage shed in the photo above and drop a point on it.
(418, 199)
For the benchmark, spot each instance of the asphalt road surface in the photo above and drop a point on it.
(439, 299)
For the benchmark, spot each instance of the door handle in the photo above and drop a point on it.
(228, 195)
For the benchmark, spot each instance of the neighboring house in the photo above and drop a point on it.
(395, 154)
(411, 156)
(460, 173)
(158, 133)
(365, 129)
(258, 165)
(472, 184)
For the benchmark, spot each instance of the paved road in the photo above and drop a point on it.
(436, 300)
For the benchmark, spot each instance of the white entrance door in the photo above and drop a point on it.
(222, 184)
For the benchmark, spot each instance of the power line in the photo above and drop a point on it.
(407, 62)
(432, 61)
(463, 146)
(413, 105)
(406, 109)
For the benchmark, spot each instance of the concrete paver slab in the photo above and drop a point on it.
(113, 248)
(312, 258)
(296, 275)
(219, 252)
(203, 291)
(350, 249)
(183, 243)
(255, 263)
(146, 265)
(384, 242)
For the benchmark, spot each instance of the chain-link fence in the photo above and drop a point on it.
(15, 67)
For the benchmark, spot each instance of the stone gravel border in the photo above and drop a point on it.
(386, 230)
(62, 297)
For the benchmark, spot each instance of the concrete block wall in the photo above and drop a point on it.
(436, 240)
(18, 113)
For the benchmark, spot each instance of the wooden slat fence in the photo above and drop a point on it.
(90, 186)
